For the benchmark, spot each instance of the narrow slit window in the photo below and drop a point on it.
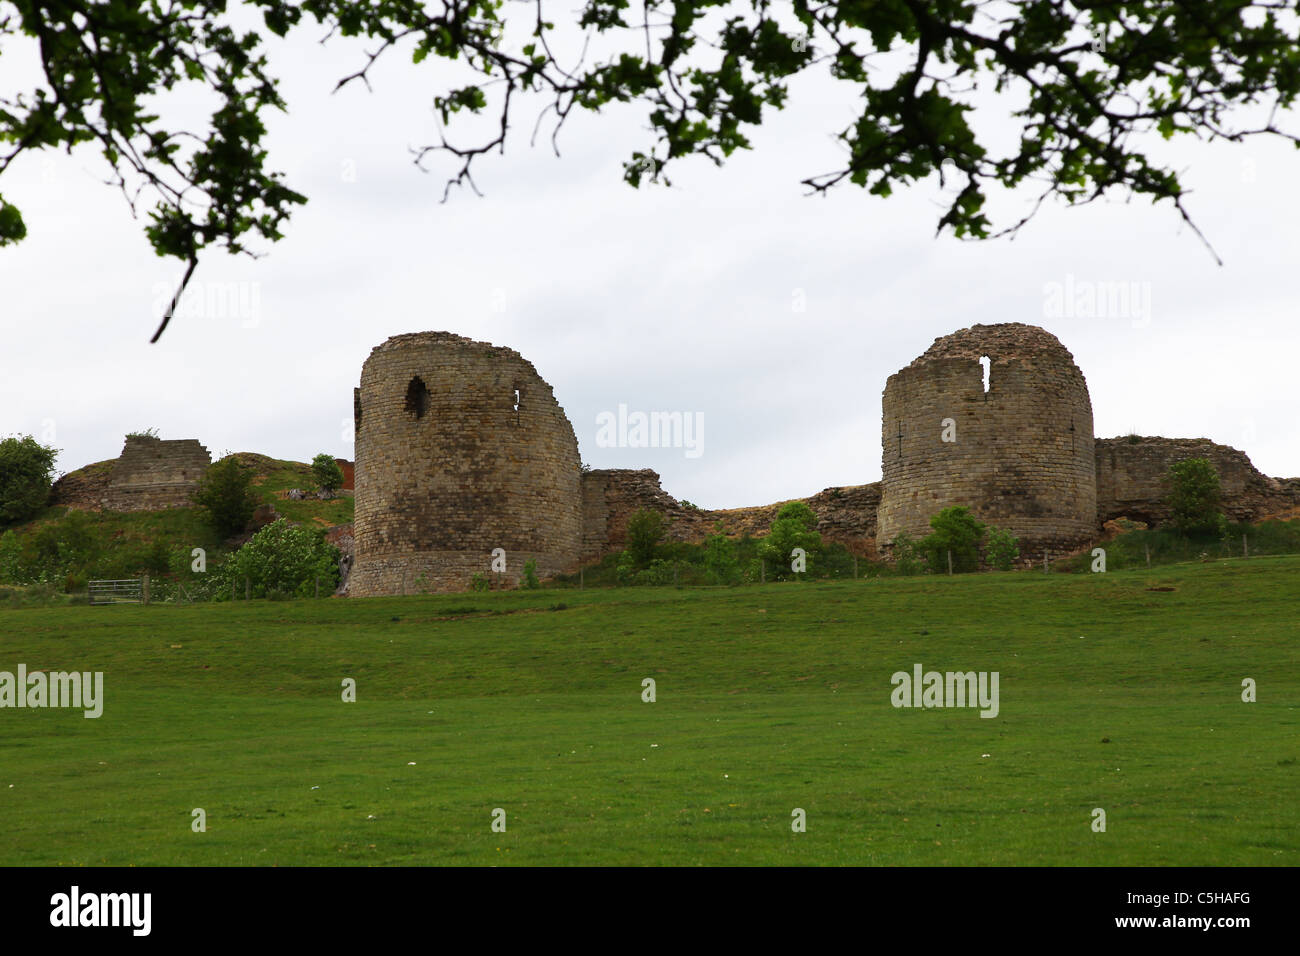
(987, 364)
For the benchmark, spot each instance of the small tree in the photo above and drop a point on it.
(286, 559)
(1194, 496)
(720, 558)
(955, 530)
(26, 473)
(645, 529)
(1001, 549)
(226, 493)
(795, 527)
(325, 471)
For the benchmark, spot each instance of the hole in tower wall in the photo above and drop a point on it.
(987, 364)
(417, 397)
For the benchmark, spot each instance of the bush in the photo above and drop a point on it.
(530, 575)
(1001, 549)
(480, 583)
(11, 552)
(1194, 497)
(955, 531)
(327, 474)
(26, 474)
(644, 531)
(286, 558)
(795, 527)
(906, 559)
(720, 559)
(226, 493)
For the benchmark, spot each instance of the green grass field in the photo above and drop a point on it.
(768, 698)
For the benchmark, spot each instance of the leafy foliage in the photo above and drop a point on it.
(1087, 82)
(26, 473)
(720, 559)
(530, 575)
(226, 493)
(907, 561)
(645, 529)
(795, 526)
(285, 559)
(326, 472)
(1001, 549)
(1194, 497)
(955, 530)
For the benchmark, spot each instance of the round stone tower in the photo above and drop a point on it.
(461, 449)
(1018, 451)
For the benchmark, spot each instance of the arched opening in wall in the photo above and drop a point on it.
(417, 397)
(987, 364)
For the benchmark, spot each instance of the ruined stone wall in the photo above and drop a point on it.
(610, 496)
(460, 448)
(1131, 479)
(84, 488)
(152, 474)
(1023, 458)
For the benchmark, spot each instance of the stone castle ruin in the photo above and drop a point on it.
(461, 449)
(1015, 446)
(151, 474)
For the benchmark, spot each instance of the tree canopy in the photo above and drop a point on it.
(1081, 80)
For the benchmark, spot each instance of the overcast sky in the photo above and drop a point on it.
(774, 316)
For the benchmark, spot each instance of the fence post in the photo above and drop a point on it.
(144, 589)
(248, 589)
(855, 567)
(318, 585)
(234, 591)
(950, 562)
(1147, 550)
(1245, 548)
(1044, 560)
(762, 570)
(581, 580)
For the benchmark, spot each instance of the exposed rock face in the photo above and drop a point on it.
(152, 474)
(461, 449)
(1019, 455)
(1131, 479)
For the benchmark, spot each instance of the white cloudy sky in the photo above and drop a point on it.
(678, 299)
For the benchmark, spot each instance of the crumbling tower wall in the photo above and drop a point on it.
(1022, 454)
(152, 474)
(461, 448)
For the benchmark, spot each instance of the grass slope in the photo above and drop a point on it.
(769, 698)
